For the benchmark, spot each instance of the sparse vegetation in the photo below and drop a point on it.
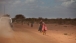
(65, 26)
(68, 21)
(65, 34)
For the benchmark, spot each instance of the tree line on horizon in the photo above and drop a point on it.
(19, 18)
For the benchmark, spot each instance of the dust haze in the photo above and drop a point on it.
(5, 29)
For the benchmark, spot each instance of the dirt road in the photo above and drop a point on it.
(26, 34)
(22, 35)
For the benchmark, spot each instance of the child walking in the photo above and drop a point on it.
(44, 28)
(40, 27)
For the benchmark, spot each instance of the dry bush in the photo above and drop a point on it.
(65, 34)
(20, 18)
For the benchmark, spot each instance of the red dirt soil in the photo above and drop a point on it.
(55, 34)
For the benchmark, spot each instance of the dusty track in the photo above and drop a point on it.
(26, 34)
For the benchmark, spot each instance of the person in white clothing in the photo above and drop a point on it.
(11, 22)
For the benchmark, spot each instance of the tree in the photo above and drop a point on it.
(40, 18)
(19, 16)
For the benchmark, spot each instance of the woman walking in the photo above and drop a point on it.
(44, 28)
(40, 27)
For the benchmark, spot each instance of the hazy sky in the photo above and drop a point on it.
(40, 8)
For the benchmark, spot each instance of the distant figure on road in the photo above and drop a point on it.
(11, 22)
(32, 24)
(44, 28)
(40, 27)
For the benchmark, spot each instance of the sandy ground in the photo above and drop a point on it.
(26, 34)
(55, 34)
